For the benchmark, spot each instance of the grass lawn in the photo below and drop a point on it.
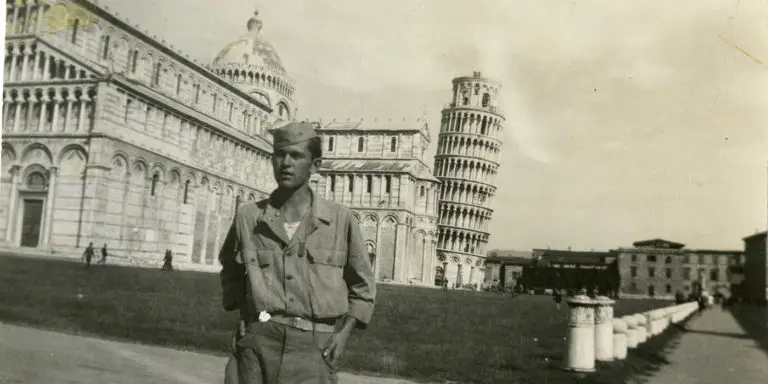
(417, 333)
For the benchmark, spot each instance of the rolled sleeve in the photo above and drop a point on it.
(358, 275)
(232, 273)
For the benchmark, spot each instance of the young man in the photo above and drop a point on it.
(296, 267)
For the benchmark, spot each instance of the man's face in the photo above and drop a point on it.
(293, 165)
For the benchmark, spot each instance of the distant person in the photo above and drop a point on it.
(679, 297)
(103, 254)
(168, 261)
(445, 284)
(88, 255)
(557, 297)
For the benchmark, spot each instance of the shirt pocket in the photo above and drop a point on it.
(327, 279)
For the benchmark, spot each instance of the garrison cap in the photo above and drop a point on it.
(292, 133)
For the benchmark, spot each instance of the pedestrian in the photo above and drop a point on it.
(557, 297)
(296, 267)
(168, 261)
(88, 255)
(103, 260)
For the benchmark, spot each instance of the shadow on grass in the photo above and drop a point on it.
(754, 321)
(421, 334)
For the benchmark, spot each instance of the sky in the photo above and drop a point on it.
(625, 120)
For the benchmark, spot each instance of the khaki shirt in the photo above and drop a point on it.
(322, 273)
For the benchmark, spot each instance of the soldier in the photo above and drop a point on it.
(296, 267)
(103, 260)
(88, 255)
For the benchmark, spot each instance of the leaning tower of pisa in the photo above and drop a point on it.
(466, 163)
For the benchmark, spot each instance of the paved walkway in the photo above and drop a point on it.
(30, 355)
(717, 350)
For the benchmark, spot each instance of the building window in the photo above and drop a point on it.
(668, 288)
(466, 100)
(368, 183)
(134, 60)
(36, 180)
(633, 271)
(702, 259)
(651, 258)
(351, 183)
(388, 184)
(486, 99)
(105, 49)
(178, 84)
(156, 76)
(75, 26)
(651, 272)
(330, 144)
(393, 144)
(634, 258)
(714, 275)
(186, 192)
(197, 93)
(155, 178)
(651, 291)
(668, 260)
(421, 191)
(333, 183)
(128, 103)
(686, 273)
(669, 273)
(360, 144)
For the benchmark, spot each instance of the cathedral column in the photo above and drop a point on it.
(30, 111)
(36, 66)
(471, 274)
(7, 100)
(14, 60)
(47, 67)
(68, 115)
(206, 223)
(11, 218)
(84, 100)
(25, 62)
(43, 107)
(40, 10)
(16, 117)
(15, 28)
(49, 205)
(377, 250)
(424, 259)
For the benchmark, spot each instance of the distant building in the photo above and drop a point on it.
(505, 267)
(377, 168)
(660, 268)
(755, 284)
(572, 270)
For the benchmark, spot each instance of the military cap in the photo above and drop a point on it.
(292, 133)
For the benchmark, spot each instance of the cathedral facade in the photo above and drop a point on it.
(378, 169)
(111, 136)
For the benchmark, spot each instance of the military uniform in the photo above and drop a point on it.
(294, 289)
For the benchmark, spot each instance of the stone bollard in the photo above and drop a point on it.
(631, 322)
(642, 328)
(619, 339)
(604, 328)
(581, 335)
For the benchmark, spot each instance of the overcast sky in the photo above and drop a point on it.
(626, 120)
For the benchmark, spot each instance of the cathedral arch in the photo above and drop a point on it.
(389, 220)
(8, 156)
(119, 166)
(159, 169)
(37, 152)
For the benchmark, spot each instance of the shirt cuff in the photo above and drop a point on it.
(362, 311)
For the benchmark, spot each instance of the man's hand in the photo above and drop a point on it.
(238, 334)
(334, 348)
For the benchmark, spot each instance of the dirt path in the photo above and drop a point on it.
(29, 355)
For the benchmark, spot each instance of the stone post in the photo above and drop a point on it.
(581, 335)
(631, 322)
(619, 339)
(604, 328)
(642, 328)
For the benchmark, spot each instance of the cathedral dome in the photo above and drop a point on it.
(253, 65)
(251, 50)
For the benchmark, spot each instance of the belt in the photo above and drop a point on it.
(298, 323)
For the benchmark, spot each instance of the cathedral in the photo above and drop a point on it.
(112, 136)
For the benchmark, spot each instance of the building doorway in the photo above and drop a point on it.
(31, 222)
(651, 291)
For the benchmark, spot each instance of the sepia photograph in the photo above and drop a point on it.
(384, 192)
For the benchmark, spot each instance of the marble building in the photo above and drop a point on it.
(466, 163)
(111, 135)
(377, 167)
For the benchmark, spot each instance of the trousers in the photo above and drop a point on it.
(272, 353)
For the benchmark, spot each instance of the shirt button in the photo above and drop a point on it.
(291, 300)
(253, 259)
(289, 277)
